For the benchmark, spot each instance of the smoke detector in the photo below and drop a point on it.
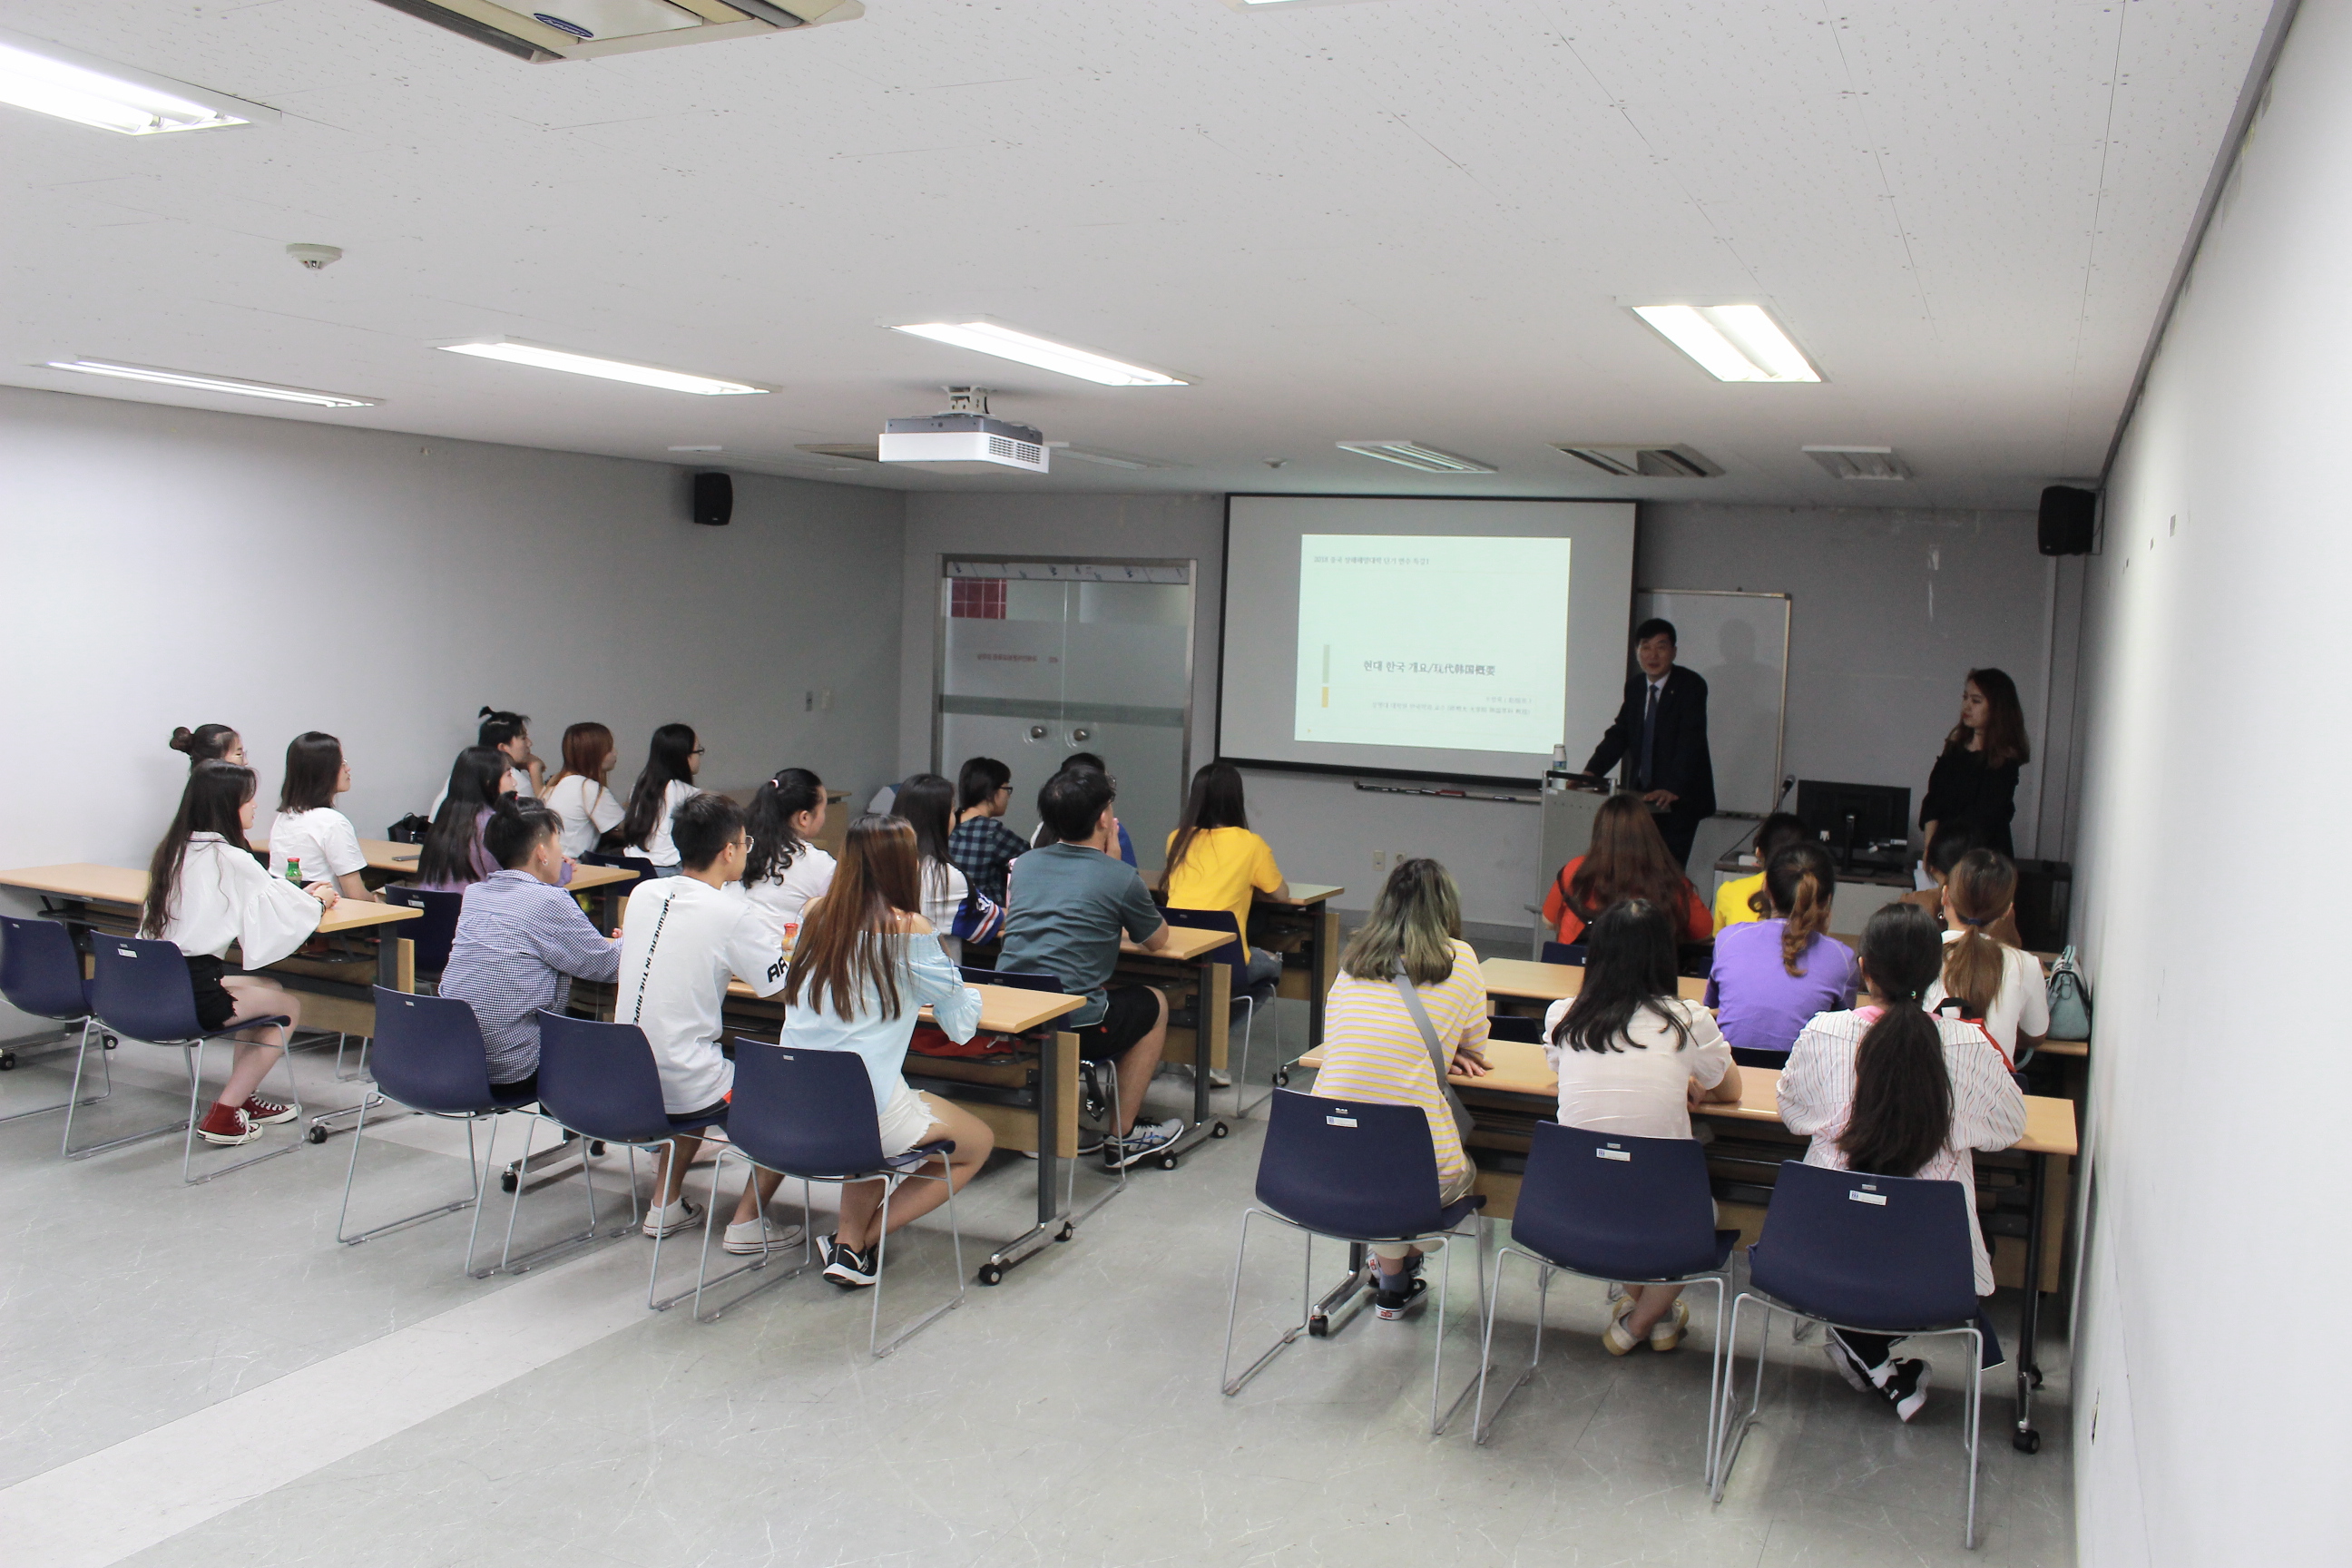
(316, 256)
(964, 440)
(1859, 462)
(1642, 460)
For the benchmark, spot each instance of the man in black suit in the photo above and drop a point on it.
(1661, 730)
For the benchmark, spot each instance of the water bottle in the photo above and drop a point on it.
(294, 870)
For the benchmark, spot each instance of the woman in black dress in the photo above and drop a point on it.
(1974, 785)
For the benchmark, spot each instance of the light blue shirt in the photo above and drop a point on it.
(925, 977)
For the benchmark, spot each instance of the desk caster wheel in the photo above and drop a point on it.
(1221, 1131)
(110, 1042)
(1168, 1161)
(1282, 1080)
(1318, 1327)
(991, 1274)
(317, 1134)
(2026, 1442)
(8, 1061)
(596, 1146)
(1067, 1232)
(506, 1181)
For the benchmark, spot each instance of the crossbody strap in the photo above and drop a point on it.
(1437, 1052)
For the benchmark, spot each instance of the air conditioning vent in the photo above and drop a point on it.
(1640, 461)
(864, 451)
(1860, 462)
(585, 29)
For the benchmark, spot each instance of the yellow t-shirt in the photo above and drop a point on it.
(1221, 867)
(1731, 900)
(1373, 1049)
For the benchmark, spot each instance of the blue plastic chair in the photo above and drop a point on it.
(598, 1082)
(1516, 1026)
(433, 933)
(1569, 953)
(40, 974)
(1879, 1255)
(636, 863)
(1360, 1173)
(1007, 977)
(1637, 1211)
(810, 1115)
(139, 989)
(429, 1056)
(1234, 956)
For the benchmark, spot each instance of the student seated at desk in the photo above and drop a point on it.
(1046, 834)
(310, 834)
(982, 847)
(1215, 862)
(1633, 1057)
(508, 734)
(927, 802)
(521, 941)
(452, 857)
(867, 962)
(1950, 848)
(1628, 858)
(205, 891)
(1895, 1091)
(1740, 900)
(582, 794)
(209, 743)
(1982, 978)
(1069, 902)
(1770, 976)
(785, 870)
(666, 783)
(684, 939)
(1373, 1048)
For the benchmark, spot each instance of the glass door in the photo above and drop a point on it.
(1042, 658)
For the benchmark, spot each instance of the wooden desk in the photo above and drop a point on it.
(1522, 980)
(1184, 960)
(1308, 912)
(2078, 1048)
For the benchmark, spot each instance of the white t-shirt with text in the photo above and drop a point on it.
(682, 941)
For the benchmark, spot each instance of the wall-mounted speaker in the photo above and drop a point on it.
(714, 499)
(2067, 515)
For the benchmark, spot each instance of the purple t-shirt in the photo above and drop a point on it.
(1759, 1005)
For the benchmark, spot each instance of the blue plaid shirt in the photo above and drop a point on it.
(519, 944)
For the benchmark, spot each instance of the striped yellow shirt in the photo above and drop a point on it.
(1374, 1050)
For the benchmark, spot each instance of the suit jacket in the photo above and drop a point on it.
(1678, 758)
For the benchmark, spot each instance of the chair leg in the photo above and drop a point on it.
(882, 1247)
(1714, 1376)
(1481, 1427)
(74, 1097)
(1726, 1458)
(1225, 1381)
(359, 1131)
(195, 1088)
(702, 1278)
(507, 1262)
(1975, 1413)
(1477, 1237)
(481, 1182)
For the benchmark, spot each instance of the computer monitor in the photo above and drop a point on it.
(1851, 817)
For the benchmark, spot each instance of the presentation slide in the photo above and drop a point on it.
(1445, 638)
(1427, 641)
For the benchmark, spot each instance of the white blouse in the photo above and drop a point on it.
(322, 840)
(786, 894)
(224, 896)
(657, 847)
(1817, 1091)
(587, 808)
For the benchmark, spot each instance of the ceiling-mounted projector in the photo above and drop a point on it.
(964, 440)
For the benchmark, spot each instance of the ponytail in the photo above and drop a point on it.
(1983, 886)
(1902, 1111)
(1799, 884)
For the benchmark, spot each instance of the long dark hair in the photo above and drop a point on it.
(1628, 858)
(474, 782)
(1981, 887)
(848, 938)
(1799, 886)
(1415, 921)
(212, 802)
(928, 802)
(775, 843)
(1902, 1111)
(978, 781)
(2004, 728)
(313, 762)
(666, 762)
(1215, 801)
(1629, 968)
(205, 742)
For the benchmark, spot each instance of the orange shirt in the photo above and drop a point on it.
(1697, 925)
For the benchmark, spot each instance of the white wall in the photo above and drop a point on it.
(2209, 1369)
(1891, 608)
(166, 566)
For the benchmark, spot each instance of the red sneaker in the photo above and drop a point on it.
(259, 1110)
(226, 1125)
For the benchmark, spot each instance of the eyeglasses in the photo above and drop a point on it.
(697, 752)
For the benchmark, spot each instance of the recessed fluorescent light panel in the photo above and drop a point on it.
(545, 358)
(1731, 342)
(1414, 455)
(1107, 459)
(47, 80)
(1859, 462)
(192, 382)
(1025, 348)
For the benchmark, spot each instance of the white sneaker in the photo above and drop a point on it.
(669, 1219)
(749, 1238)
(1142, 1141)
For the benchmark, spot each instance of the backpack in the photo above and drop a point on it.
(2070, 1000)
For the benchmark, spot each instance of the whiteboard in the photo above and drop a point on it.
(1740, 643)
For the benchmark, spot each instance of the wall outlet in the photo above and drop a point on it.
(1380, 862)
(825, 700)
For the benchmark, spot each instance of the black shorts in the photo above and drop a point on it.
(1133, 1010)
(215, 1006)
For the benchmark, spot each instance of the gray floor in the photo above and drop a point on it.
(1069, 1417)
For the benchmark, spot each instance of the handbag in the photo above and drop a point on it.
(1437, 1052)
(409, 829)
(2070, 1000)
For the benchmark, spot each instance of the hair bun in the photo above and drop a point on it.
(183, 739)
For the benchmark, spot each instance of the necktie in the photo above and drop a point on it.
(1649, 738)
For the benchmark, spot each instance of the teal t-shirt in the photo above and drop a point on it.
(1066, 907)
